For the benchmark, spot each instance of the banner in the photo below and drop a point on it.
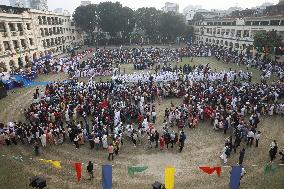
(270, 168)
(133, 169)
(210, 170)
(169, 177)
(235, 177)
(78, 168)
(54, 163)
(107, 176)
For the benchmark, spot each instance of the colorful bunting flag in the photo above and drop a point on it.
(270, 168)
(210, 170)
(54, 163)
(107, 176)
(78, 168)
(169, 177)
(18, 158)
(235, 177)
(133, 169)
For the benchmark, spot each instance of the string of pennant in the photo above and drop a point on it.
(168, 175)
(270, 49)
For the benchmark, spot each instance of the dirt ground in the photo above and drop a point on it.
(202, 148)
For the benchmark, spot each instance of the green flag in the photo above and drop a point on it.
(270, 168)
(18, 158)
(138, 169)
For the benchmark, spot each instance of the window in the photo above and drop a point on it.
(6, 45)
(2, 27)
(20, 27)
(28, 26)
(248, 23)
(255, 23)
(23, 43)
(39, 20)
(264, 23)
(31, 41)
(15, 43)
(12, 27)
(274, 22)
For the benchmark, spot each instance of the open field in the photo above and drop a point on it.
(202, 148)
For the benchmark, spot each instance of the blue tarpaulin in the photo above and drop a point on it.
(28, 83)
(235, 177)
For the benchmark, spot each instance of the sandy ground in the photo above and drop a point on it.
(202, 148)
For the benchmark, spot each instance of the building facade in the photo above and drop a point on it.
(27, 34)
(171, 7)
(38, 4)
(237, 33)
(19, 3)
(85, 3)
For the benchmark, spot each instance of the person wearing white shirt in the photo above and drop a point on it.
(250, 136)
(257, 137)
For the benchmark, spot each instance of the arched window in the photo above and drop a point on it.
(3, 67)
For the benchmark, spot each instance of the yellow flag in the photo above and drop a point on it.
(169, 177)
(54, 163)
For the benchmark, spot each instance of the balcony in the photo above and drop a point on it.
(14, 33)
(4, 34)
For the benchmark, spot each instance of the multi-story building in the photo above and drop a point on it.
(171, 7)
(19, 3)
(85, 3)
(39, 4)
(190, 11)
(236, 32)
(34, 4)
(27, 34)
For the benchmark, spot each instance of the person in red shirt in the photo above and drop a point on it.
(162, 142)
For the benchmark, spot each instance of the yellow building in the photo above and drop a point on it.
(27, 34)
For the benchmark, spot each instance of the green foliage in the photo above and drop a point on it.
(171, 26)
(267, 39)
(85, 17)
(114, 18)
(189, 33)
(198, 17)
(147, 19)
(119, 22)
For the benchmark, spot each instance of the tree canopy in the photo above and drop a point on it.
(119, 21)
(267, 39)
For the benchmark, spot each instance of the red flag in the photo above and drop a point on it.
(210, 170)
(78, 167)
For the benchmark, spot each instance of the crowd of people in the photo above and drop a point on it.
(104, 114)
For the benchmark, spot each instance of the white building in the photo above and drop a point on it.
(85, 3)
(39, 5)
(237, 33)
(19, 3)
(171, 7)
(190, 11)
(28, 34)
(59, 10)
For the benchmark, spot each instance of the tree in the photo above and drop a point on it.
(86, 18)
(114, 18)
(171, 26)
(147, 19)
(198, 17)
(188, 33)
(267, 39)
